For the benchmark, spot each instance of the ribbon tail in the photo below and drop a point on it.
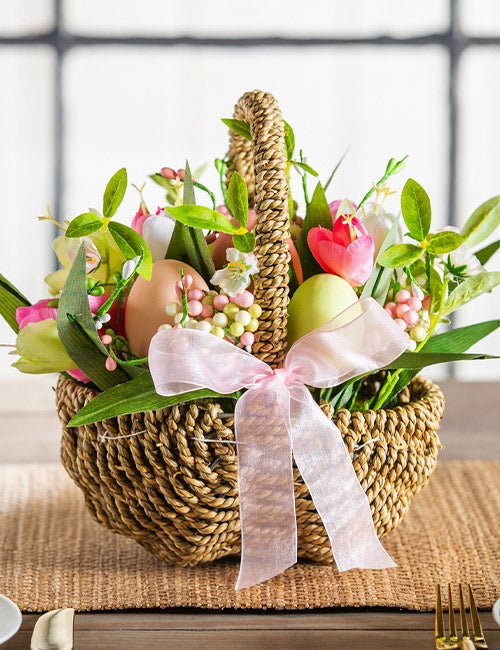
(265, 485)
(327, 470)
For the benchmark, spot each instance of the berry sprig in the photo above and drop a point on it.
(233, 318)
(410, 310)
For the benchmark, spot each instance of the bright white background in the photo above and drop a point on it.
(145, 107)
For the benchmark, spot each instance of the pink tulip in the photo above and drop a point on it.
(347, 250)
(139, 219)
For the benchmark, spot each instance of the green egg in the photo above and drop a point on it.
(316, 301)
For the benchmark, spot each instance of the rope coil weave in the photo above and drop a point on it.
(173, 487)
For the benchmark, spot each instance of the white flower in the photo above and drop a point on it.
(235, 277)
(129, 267)
(378, 222)
(157, 231)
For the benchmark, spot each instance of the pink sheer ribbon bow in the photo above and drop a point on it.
(277, 415)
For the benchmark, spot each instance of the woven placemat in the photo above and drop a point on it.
(52, 554)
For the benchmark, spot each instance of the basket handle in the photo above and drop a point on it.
(262, 163)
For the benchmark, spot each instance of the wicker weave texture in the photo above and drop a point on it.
(262, 163)
(177, 494)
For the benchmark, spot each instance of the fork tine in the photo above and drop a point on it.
(439, 621)
(476, 623)
(463, 616)
(451, 617)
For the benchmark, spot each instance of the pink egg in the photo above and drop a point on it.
(147, 300)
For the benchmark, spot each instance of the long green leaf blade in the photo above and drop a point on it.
(189, 245)
(76, 329)
(419, 360)
(10, 299)
(188, 195)
(317, 214)
(289, 140)
(135, 396)
(454, 341)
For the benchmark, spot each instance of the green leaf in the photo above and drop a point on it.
(10, 299)
(416, 209)
(135, 396)
(84, 224)
(245, 242)
(485, 253)
(199, 216)
(237, 199)
(317, 214)
(188, 195)
(344, 395)
(131, 244)
(307, 168)
(334, 170)
(454, 341)
(238, 126)
(177, 249)
(471, 288)
(444, 242)
(400, 255)
(161, 180)
(436, 290)
(189, 245)
(289, 140)
(482, 222)
(419, 360)
(77, 331)
(461, 338)
(114, 193)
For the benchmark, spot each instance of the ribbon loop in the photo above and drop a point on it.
(277, 416)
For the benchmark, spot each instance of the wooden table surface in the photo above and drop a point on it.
(469, 431)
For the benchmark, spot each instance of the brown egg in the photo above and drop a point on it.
(145, 310)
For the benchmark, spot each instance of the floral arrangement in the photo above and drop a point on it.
(191, 266)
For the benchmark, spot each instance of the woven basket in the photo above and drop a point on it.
(176, 494)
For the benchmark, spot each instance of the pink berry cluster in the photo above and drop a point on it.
(410, 310)
(234, 318)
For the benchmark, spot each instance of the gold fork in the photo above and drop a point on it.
(452, 641)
